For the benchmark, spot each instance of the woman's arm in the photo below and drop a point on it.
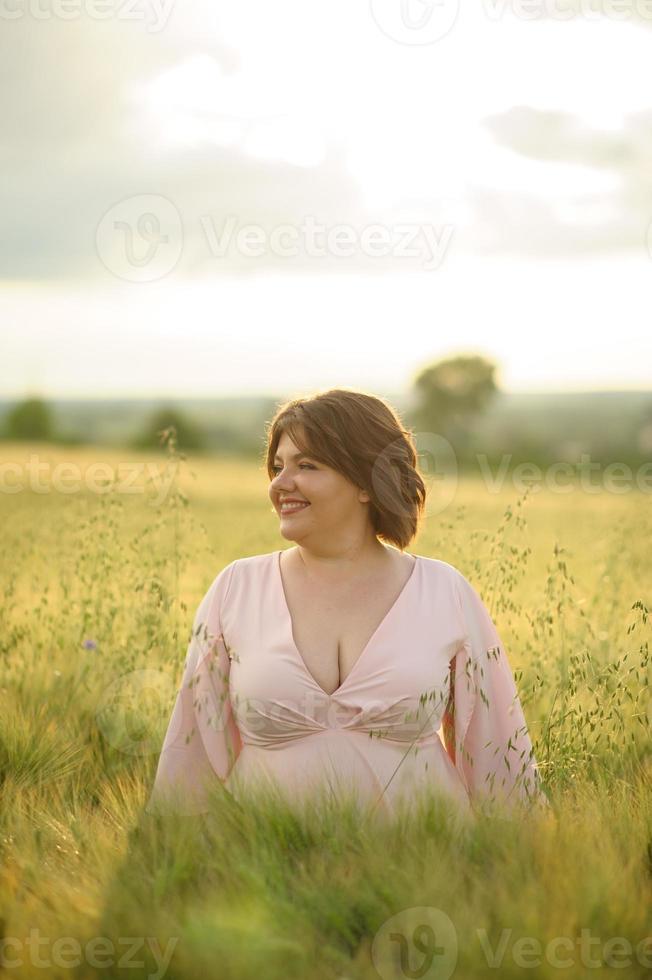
(484, 729)
(202, 741)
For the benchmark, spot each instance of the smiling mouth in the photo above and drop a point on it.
(292, 508)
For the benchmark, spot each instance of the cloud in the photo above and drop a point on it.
(613, 217)
(96, 112)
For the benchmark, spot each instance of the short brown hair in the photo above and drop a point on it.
(362, 437)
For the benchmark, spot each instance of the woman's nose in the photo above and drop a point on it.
(280, 484)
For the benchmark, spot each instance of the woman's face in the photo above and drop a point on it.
(331, 504)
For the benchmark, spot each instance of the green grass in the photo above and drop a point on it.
(270, 892)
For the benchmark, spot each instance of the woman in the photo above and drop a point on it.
(345, 661)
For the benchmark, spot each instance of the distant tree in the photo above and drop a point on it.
(189, 435)
(451, 393)
(30, 419)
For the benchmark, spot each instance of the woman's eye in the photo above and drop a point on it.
(309, 466)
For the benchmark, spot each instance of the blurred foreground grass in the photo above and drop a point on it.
(98, 593)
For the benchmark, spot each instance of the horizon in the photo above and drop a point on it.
(251, 396)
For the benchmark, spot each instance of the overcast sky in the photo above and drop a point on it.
(214, 198)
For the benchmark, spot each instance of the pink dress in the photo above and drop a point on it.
(430, 702)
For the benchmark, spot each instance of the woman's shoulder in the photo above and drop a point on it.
(237, 577)
(250, 561)
(247, 565)
(253, 560)
(441, 569)
(444, 574)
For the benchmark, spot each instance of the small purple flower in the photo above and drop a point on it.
(89, 645)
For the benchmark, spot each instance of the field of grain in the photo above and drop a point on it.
(101, 574)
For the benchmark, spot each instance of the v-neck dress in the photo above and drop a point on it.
(430, 703)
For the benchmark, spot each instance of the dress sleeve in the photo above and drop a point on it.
(484, 729)
(202, 741)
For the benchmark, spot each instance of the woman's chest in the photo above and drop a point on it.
(395, 681)
(332, 631)
(291, 648)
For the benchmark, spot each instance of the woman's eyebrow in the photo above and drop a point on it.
(296, 456)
